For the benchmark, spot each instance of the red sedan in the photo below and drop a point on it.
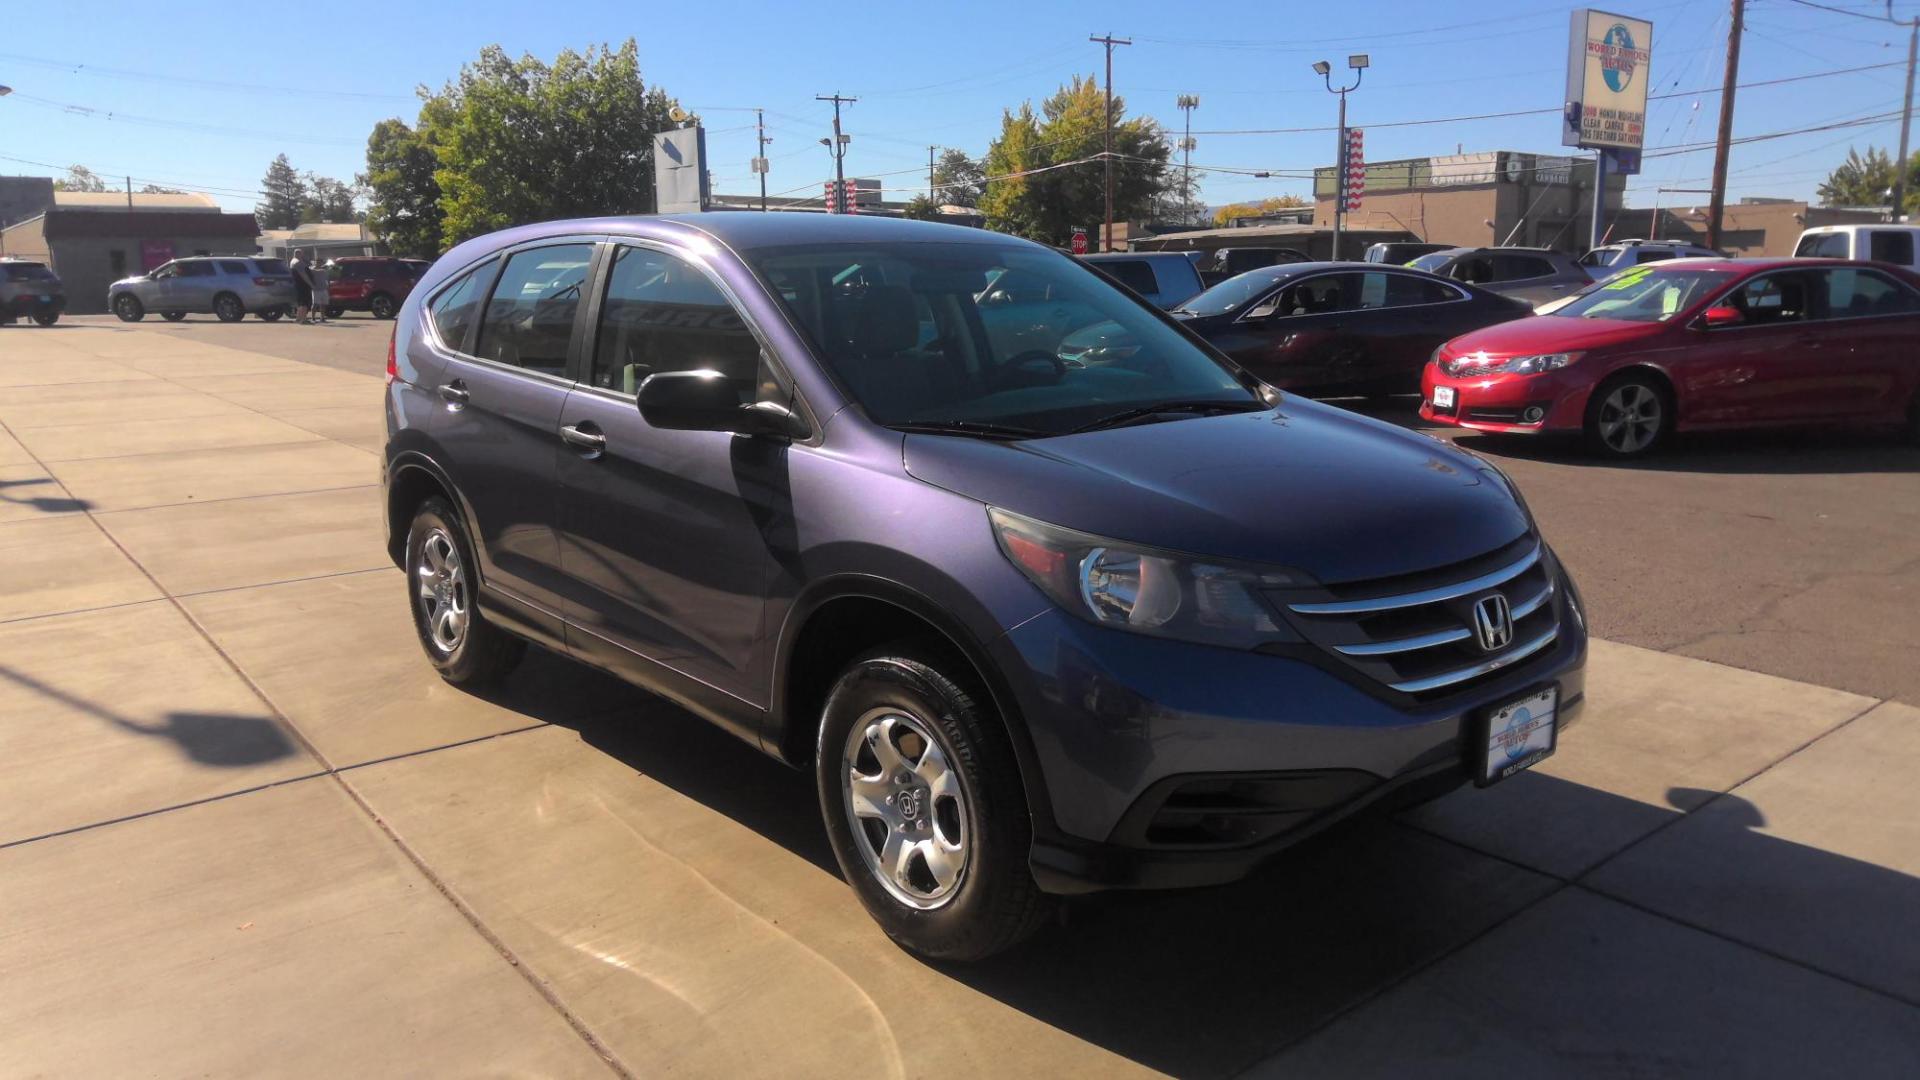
(1694, 344)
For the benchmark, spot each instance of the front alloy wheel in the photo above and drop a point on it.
(906, 806)
(127, 308)
(1628, 418)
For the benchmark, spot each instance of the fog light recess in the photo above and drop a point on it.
(1534, 414)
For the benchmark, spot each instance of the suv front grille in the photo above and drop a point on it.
(1418, 635)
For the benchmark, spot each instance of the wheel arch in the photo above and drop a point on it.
(1651, 370)
(412, 479)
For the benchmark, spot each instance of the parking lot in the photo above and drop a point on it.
(249, 831)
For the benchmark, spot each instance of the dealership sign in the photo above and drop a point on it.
(1607, 77)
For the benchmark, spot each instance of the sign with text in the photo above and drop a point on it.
(1608, 59)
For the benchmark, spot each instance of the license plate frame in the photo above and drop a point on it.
(1444, 398)
(1497, 756)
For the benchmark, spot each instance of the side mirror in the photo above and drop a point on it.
(708, 401)
(1716, 317)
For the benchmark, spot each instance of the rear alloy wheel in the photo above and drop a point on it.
(924, 805)
(47, 318)
(459, 641)
(227, 308)
(380, 306)
(127, 308)
(1628, 417)
(173, 316)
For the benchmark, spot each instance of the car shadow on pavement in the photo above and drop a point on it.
(46, 504)
(224, 740)
(1209, 982)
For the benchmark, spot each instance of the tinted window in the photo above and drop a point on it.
(529, 319)
(1892, 247)
(1135, 274)
(455, 309)
(1405, 290)
(1853, 294)
(1647, 255)
(1516, 267)
(1231, 294)
(1430, 262)
(1323, 294)
(234, 266)
(1775, 298)
(271, 266)
(25, 272)
(663, 314)
(1822, 246)
(194, 269)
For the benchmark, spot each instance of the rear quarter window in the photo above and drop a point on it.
(1135, 274)
(1892, 247)
(271, 266)
(457, 306)
(1822, 246)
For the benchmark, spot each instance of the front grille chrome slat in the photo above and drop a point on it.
(1424, 596)
(1526, 607)
(1448, 678)
(1424, 641)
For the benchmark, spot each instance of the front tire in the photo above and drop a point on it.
(1628, 416)
(128, 308)
(227, 308)
(173, 316)
(47, 318)
(924, 805)
(335, 312)
(460, 643)
(381, 306)
(271, 314)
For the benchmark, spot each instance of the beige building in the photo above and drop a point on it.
(1477, 200)
(1748, 227)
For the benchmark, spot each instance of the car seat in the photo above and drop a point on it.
(884, 369)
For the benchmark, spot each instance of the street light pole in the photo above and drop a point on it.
(1358, 62)
(1106, 157)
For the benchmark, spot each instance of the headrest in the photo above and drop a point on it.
(885, 320)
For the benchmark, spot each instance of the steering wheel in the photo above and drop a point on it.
(1018, 371)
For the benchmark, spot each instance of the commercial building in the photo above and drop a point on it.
(1749, 227)
(92, 247)
(325, 239)
(1476, 200)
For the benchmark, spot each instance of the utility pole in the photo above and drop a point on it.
(1186, 103)
(1717, 201)
(129, 194)
(1106, 157)
(1906, 117)
(838, 147)
(930, 152)
(760, 159)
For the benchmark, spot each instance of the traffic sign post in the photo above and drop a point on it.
(1078, 245)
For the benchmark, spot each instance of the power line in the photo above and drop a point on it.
(96, 70)
(91, 113)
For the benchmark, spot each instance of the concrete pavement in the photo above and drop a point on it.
(248, 831)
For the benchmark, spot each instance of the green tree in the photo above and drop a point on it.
(1255, 209)
(958, 180)
(519, 141)
(403, 208)
(921, 208)
(80, 178)
(325, 199)
(1865, 180)
(1066, 141)
(156, 189)
(285, 194)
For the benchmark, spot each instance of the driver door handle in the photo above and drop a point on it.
(585, 437)
(455, 393)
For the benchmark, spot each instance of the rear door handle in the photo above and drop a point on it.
(585, 437)
(455, 394)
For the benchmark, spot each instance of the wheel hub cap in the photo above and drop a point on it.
(1630, 418)
(442, 592)
(907, 808)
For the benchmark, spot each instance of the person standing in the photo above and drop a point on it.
(321, 298)
(302, 286)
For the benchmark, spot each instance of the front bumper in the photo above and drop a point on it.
(1507, 403)
(1137, 738)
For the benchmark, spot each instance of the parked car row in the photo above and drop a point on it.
(231, 287)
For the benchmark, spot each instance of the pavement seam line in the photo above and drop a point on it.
(317, 437)
(466, 912)
(158, 810)
(191, 595)
(232, 498)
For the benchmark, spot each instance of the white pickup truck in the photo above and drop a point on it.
(1895, 244)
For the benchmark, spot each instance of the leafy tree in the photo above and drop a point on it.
(1256, 209)
(958, 180)
(80, 178)
(285, 194)
(156, 189)
(517, 141)
(1046, 206)
(1865, 180)
(325, 199)
(921, 208)
(403, 197)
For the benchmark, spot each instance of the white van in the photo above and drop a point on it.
(1896, 244)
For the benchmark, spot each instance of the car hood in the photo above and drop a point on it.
(1305, 486)
(1551, 333)
(136, 279)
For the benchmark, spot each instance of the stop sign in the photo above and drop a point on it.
(1078, 245)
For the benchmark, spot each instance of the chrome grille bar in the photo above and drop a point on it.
(1400, 645)
(1425, 596)
(1448, 678)
(1526, 607)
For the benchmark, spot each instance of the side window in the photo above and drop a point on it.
(454, 310)
(194, 269)
(1775, 298)
(1822, 246)
(1370, 293)
(234, 266)
(1647, 255)
(1473, 269)
(661, 313)
(1892, 247)
(1320, 295)
(1135, 274)
(1854, 294)
(528, 321)
(1405, 290)
(1519, 267)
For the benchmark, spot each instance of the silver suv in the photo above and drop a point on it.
(228, 286)
(30, 290)
(1622, 254)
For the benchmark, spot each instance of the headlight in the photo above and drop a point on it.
(1534, 365)
(1146, 590)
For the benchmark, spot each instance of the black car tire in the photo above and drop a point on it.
(227, 308)
(173, 316)
(994, 903)
(334, 312)
(271, 314)
(483, 653)
(47, 318)
(1651, 404)
(381, 306)
(128, 308)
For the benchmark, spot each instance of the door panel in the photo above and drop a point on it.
(1871, 330)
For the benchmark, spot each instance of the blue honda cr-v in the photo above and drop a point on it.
(1040, 622)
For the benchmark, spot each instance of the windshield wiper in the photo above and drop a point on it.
(1127, 416)
(970, 427)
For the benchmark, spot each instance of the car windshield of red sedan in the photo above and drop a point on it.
(1645, 294)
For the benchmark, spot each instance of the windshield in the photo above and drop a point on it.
(1232, 294)
(969, 334)
(1432, 261)
(1644, 294)
(25, 272)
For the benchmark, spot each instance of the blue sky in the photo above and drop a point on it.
(204, 95)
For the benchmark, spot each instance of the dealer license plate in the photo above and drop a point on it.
(1443, 397)
(1518, 735)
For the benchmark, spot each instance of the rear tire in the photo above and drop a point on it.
(442, 586)
(173, 316)
(47, 318)
(1629, 415)
(334, 312)
(128, 308)
(271, 314)
(381, 306)
(227, 308)
(924, 806)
